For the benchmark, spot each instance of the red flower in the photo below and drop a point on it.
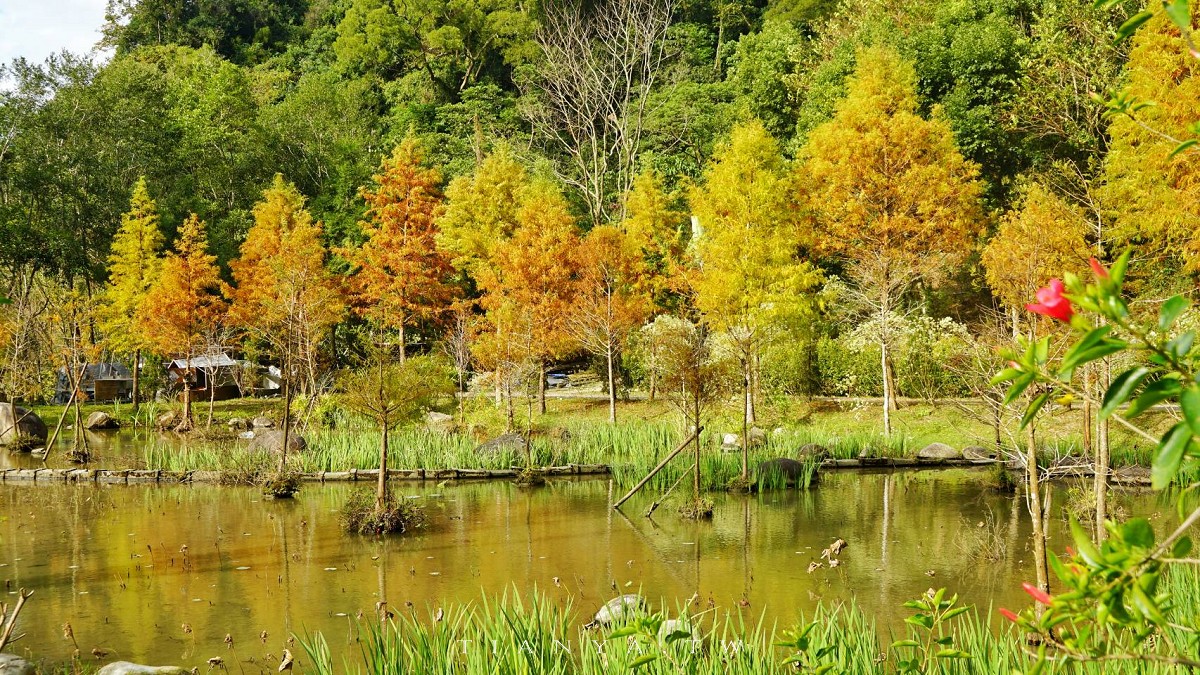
(1052, 303)
(1036, 593)
(1098, 269)
(1008, 614)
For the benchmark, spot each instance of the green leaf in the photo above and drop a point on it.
(1083, 544)
(1087, 356)
(1146, 605)
(1177, 11)
(1034, 408)
(1154, 393)
(1121, 388)
(1181, 344)
(1184, 146)
(954, 612)
(1117, 271)
(905, 643)
(624, 631)
(1006, 375)
(952, 654)
(1129, 27)
(641, 661)
(1041, 350)
(1137, 532)
(1171, 309)
(1189, 404)
(1170, 455)
(1182, 547)
(1018, 387)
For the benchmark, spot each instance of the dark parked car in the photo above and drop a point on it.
(557, 381)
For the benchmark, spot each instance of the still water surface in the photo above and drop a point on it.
(112, 562)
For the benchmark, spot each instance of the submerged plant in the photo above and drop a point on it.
(364, 514)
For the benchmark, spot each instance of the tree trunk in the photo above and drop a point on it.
(212, 396)
(137, 359)
(612, 388)
(287, 422)
(696, 426)
(887, 388)
(1041, 566)
(402, 350)
(187, 404)
(381, 486)
(654, 378)
(1102, 462)
(541, 388)
(747, 407)
(1087, 410)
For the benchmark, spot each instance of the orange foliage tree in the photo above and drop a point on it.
(536, 272)
(286, 298)
(611, 302)
(400, 276)
(186, 304)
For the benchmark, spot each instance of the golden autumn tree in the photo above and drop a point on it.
(1151, 194)
(750, 284)
(186, 303)
(133, 266)
(891, 194)
(611, 301)
(1045, 238)
(400, 276)
(534, 274)
(654, 228)
(285, 298)
(481, 213)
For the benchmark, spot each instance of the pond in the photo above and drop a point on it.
(163, 574)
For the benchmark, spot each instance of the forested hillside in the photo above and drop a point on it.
(826, 184)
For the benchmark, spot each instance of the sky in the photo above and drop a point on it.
(35, 29)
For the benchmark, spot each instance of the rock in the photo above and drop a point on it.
(248, 435)
(788, 469)
(21, 428)
(813, 450)
(757, 437)
(938, 451)
(559, 435)
(978, 452)
(100, 420)
(730, 439)
(168, 420)
(271, 440)
(11, 664)
(127, 668)
(672, 626)
(1131, 475)
(438, 420)
(616, 609)
(502, 444)
(262, 422)
(236, 423)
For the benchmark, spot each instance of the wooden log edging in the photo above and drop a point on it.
(158, 477)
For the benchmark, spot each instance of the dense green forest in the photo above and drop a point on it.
(736, 138)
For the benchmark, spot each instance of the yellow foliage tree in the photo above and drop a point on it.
(751, 285)
(1045, 238)
(1152, 197)
(890, 191)
(133, 265)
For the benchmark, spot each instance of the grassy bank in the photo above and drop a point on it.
(509, 635)
(576, 431)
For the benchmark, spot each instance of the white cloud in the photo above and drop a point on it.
(36, 29)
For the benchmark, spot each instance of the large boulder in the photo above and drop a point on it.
(813, 450)
(271, 440)
(979, 453)
(501, 444)
(99, 421)
(938, 451)
(168, 420)
(127, 668)
(438, 421)
(757, 437)
(11, 664)
(789, 470)
(21, 428)
(262, 422)
(616, 609)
